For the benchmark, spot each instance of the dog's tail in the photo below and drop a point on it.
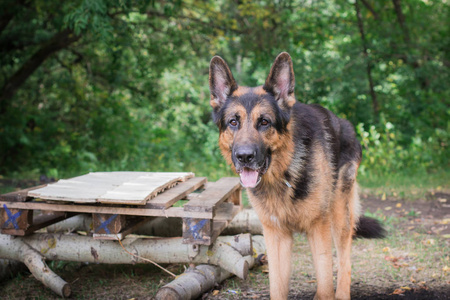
(369, 228)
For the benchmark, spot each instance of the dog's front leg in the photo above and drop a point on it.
(319, 237)
(279, 250)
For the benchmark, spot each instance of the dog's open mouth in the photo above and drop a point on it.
(250, 178)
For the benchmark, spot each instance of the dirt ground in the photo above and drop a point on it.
(413, 262)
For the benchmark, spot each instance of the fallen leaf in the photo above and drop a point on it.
(388, 208)
(215, 292)
(442, 200)
(446, 269)
(412, 279)
(428, 242)
(444, 221)
(383, 198)
(398, 205)
(405, 288)
(386, 249)
(398, 292)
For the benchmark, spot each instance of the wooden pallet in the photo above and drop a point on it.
(208, 208)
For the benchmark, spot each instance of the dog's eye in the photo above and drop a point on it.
(233, 122)
(264, 122)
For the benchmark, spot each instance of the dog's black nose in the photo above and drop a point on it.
(245, 154)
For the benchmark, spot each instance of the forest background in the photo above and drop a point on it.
(98, 85)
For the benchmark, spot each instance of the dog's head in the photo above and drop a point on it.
(253, 122)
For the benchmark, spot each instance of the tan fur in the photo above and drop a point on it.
(259, 90)
(325, 215)
(241, 90)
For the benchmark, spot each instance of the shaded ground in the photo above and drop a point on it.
(411, 263)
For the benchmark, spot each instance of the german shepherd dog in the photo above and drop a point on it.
(299, 164)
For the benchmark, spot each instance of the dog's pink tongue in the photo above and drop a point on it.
(249, 178)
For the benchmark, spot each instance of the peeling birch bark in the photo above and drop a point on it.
(86, 249)
(37, 266)
(196, 281)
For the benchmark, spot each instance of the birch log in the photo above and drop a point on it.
(196, 281)
(245, 221)
(160, 250)
(37, 266)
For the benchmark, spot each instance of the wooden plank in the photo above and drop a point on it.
(108, 223)
(171, 196)
(236, 197)
(19, 196)
(197, 231)
(131, 225)
(215, 194)
(226, 212)
(39, 222)
(14, 220)
(170, 212)
(139, 190)
(218, 227)
(133, 188)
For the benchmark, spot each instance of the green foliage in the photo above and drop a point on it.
(385, 150)
(131, 92)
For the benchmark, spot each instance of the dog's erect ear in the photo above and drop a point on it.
(281, 80)
(221, 81)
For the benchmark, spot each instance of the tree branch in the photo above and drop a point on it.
(369, 7)
(401, 20)
(375, 106)
(59, 41)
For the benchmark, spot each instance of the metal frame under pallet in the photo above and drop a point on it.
(208, 210)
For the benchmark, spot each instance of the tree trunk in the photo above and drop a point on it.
(375, 106)
(413, 62)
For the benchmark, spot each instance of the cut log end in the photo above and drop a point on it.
(66, 291)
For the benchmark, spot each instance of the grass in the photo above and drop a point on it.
(404, 184)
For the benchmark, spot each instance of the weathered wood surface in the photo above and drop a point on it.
(15, 221)
(22, 222)
(129, 225)
(19, 196)
(204, 231)
(216, 193)
(204, 216)
(171, 196)
(178, 212)
(134, 188)
(245, 221)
